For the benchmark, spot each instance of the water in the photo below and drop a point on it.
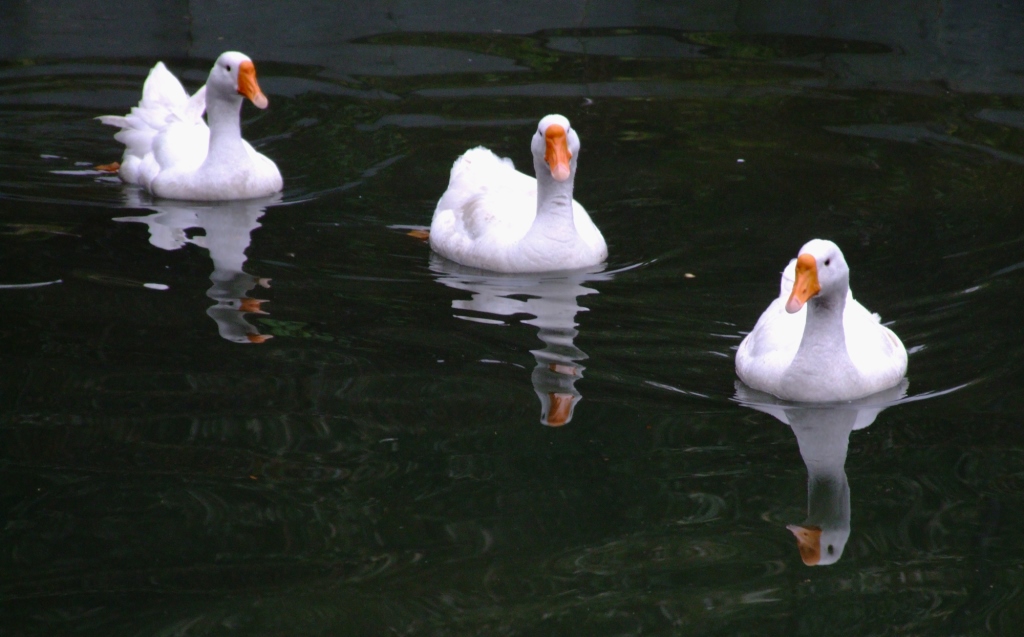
(288, 417)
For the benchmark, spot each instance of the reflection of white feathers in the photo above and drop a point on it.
(228, 229)
(823, 434)
(551, 302)
(171, 152)
(496, 218)
(842, 354)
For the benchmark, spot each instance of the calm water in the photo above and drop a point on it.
(288, 417)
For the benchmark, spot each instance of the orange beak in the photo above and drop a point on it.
(808, 542)
(560, 411)
(806, 284)
(557, 154)
(248, 87)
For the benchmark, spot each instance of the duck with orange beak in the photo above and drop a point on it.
(171, 152)
(495, 218)
(815, 343)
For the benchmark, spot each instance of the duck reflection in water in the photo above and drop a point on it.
(823, 434)
(228, 229)
(550, 298)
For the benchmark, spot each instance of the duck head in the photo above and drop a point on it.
(821, 271)
(555, 147)
(234, 74)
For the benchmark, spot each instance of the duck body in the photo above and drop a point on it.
(170, 151)
(493, 217)
(815, 343)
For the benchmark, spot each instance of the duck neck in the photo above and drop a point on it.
(554, 200)
(225, 121)
(824, 325)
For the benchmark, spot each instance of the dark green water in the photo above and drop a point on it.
(380, 464)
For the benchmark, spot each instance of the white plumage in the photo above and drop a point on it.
(171, 152)
(820, 346)
(495, 218)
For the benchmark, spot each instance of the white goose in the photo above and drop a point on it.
(495, 218)
(170, 151)
(834, 350)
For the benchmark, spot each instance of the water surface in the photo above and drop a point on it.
(288, 417)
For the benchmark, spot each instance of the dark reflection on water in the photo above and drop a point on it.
(550, 300)
(823, 434)
(377, 467)
(227, 231)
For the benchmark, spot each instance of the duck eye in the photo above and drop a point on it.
(229, 68)
(827, 262)
(830, 549)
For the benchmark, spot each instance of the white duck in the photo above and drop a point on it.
(495, 218)
(170, 151)
(834, 350)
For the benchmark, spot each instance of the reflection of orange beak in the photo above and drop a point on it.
(808, 542)
(248, 87)
(557, 155)
(258, 338)
(248, 305)
(560, 411)
(806, 284)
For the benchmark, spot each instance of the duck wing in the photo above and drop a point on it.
(165, 128)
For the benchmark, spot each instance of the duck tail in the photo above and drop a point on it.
(164, 101)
